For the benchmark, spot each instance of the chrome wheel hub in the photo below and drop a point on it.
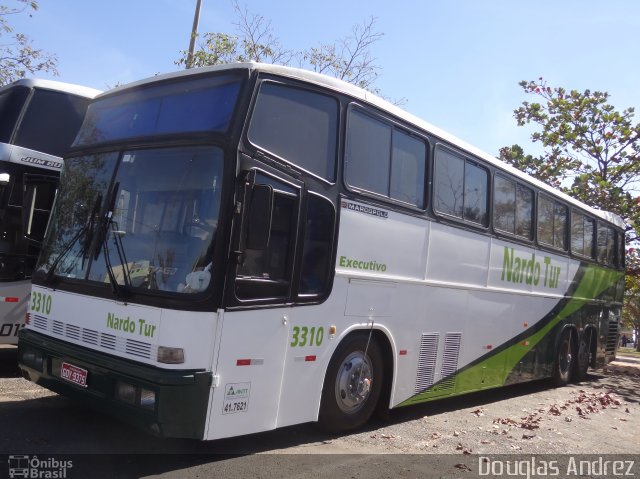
(354, 382)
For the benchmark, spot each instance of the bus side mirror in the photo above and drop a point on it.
(259, 217)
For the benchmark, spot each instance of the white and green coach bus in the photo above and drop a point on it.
(39, 120)
(244, 247)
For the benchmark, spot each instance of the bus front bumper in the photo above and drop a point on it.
(166, 403)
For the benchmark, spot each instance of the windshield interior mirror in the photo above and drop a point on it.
(259, 217)
(4, 179)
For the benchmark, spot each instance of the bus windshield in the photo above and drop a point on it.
(201, 105)
(151, 227)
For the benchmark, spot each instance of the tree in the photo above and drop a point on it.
(18, 57)
(591, 150)
(349, 58)
(631, 307)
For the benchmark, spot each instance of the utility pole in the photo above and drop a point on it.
(194, 34)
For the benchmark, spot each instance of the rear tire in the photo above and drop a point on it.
(352, 385)
(583, 357)
(564, 360)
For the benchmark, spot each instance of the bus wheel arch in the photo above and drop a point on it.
(355, 383)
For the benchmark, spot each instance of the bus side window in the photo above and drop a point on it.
(266, 273)
(461, 188)
(316, 255)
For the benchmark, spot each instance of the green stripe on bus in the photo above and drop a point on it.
(596, 280)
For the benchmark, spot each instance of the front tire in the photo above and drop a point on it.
(564, 360)
(352, 385)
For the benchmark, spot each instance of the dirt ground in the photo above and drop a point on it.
(598, 416)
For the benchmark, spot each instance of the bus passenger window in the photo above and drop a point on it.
(449, 184)
(408, 169)
(368, 153)
(577, 233)
(524, 212)
(545, 221)
(476, 180)
(606, 245)
(504, 205)
(560, 214)
(461, 188)
(552, 223)
(512, 207)
(581, 234)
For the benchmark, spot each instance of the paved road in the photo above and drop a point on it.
(34, 421)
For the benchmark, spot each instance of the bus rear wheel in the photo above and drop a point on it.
(564, 360)
(352, 385)
(584, 356)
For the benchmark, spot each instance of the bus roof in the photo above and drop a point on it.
(54, 85)
(374, 100)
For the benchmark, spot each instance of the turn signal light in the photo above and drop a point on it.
(169, 355)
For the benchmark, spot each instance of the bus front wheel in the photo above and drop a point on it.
(352, 385)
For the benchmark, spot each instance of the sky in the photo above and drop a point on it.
(456, 62)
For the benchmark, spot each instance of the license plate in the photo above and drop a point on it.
(74, 374)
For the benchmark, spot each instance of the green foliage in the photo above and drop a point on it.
(17, 55)
(631, 308)
(348, 58)
(591, 150)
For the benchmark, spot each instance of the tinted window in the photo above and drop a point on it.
(316, 256)
(552, 223)
(11, 102)
(460, 188)
(188, 106)
(368, 155)
(385, 160)
(475, 193)
(581, 234)
(449, 184)
(606, 245)
(524, 212)
(504, 204)
(589, 232)
(560, 213)
(265, 273)
(297, 125)
(51, 122)
(408, 168)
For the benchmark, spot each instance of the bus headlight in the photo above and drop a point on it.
(170, 355)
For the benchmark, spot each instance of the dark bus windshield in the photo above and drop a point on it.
(11, 103)
(152, 227)
(200, 105)
(48, 124)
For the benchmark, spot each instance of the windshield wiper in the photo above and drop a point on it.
(86, 230)
(120, 290)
